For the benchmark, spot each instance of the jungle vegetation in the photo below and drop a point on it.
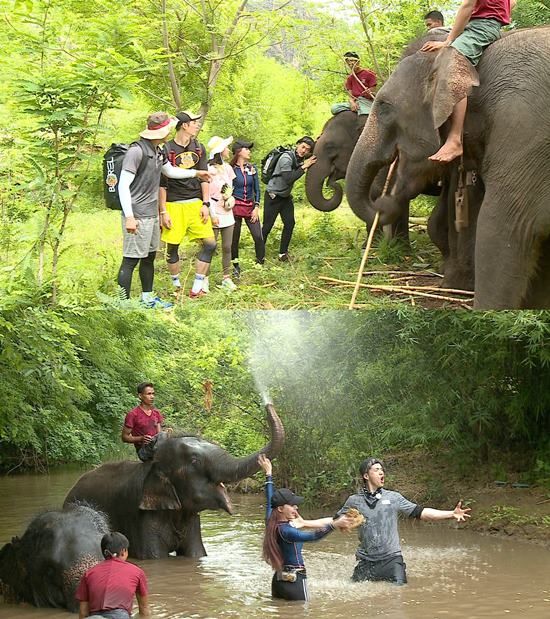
(473, 388)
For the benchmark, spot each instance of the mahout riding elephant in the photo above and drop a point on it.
(505, 142)
(156, 504)
(45, 565)
(333, 150)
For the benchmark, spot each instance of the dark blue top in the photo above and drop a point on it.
(246, 186)
(290, 539)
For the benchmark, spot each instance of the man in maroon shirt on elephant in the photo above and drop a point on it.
(143, 424)
(359, 85)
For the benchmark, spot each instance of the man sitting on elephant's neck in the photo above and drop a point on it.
(142, 425)
(359, 85)
(477, 25)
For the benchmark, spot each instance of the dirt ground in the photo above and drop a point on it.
(503, 507)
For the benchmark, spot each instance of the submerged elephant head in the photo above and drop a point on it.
(333, 151)
(44, 566)
(404, 124)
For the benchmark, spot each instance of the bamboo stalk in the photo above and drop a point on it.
(364, 260)
(403, 289)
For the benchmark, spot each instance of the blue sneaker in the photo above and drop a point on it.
(157, 303)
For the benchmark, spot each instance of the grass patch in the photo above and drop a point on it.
(323, 244)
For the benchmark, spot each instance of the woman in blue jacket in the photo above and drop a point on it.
(282, 547)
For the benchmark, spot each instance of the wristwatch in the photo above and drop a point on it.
(206, 203)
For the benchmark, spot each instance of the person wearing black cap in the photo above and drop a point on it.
(184, 204)
(290, 166)
(379, 553)
(282, 546)
(246, 191)
(359, 85)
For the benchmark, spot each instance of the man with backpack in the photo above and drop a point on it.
(281, 171)
(138, 191)
(184, 204)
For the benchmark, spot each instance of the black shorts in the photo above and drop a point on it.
(290, 590)
(392, 570)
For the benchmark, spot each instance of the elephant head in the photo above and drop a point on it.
(44, 566)
(333, 150)
(404, 126)
(189, 473)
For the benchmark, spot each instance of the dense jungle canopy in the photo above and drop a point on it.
(76, 76)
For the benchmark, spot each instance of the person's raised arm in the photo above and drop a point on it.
(459, 513)
(265, 464)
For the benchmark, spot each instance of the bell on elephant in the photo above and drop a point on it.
(156, 504)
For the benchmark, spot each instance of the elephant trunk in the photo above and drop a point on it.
(371, 154)
(315, 180)
(235, 469)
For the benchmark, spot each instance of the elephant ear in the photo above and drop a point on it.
(452, 78)
(158, 492)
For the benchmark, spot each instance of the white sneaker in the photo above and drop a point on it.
(206, 286)
(228, 284)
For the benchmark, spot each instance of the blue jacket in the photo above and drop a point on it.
(290, 539)
(246, 186)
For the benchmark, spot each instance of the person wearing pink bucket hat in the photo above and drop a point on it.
(139, 183)
(222, 202)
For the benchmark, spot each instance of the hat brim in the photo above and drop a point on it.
(221, 147)
(159, 134)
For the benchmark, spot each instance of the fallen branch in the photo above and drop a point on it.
(416, 293)
(418, 273)
(403, 289)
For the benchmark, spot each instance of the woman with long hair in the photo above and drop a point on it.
(283, 541)
(246, 191)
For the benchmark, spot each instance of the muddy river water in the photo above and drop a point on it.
(452, 573)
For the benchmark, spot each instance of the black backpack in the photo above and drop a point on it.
(112, 167)
(270, 161)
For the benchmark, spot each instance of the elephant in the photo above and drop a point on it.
(505, 143)
(45, 565)
(156, 504)
(333, 150)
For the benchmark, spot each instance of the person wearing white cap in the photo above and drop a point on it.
(184, 204)
(138, 190)
(222, 201)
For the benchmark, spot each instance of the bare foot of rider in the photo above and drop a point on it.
(449, 151)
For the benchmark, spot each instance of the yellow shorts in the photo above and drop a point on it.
(186, 222)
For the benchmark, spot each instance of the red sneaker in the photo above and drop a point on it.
(196, 295)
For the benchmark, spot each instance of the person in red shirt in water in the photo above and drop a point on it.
(143, 424)
(477, 25)
(359, 85)
(108, 589)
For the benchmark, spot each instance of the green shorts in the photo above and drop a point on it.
(478, 34)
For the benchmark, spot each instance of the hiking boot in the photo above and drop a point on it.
(156, 303)
(197, 295)
(228, 285)
(285, 257)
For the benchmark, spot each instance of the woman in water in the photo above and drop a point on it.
(283, 542)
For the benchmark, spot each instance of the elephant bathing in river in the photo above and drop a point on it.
(505, 142)
(156, 504)
(45, 565)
